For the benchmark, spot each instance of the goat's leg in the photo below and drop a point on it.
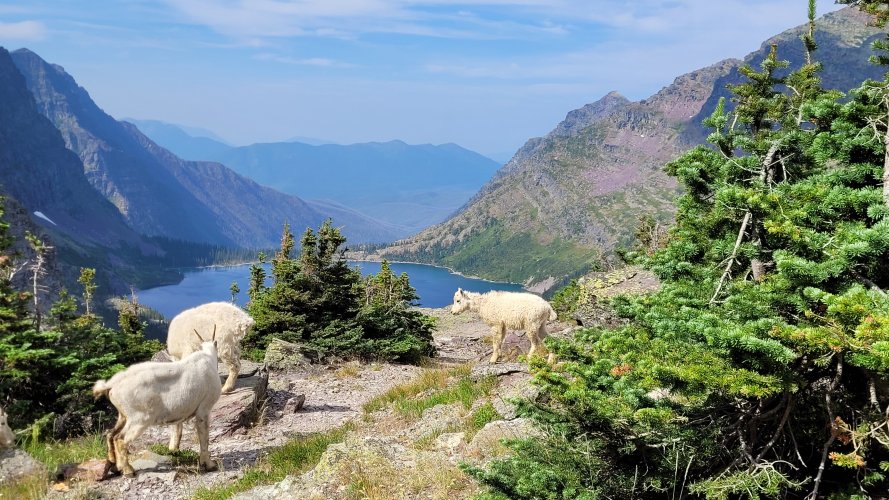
(121, 441)
(111, 462)
(202, 428)
(234, 368)
(498, 333)
(541, 334)
(175, 436)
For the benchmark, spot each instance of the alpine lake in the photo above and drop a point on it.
(435, 286)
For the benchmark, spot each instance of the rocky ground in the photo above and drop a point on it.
(334, 395)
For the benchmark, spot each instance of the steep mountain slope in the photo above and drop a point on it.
(42, 175)
(567, 200)
(160, 194)
(411, 186)
(178, 141)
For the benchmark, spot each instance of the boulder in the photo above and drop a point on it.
(436, 420)
(240, 408)
(482, 370)
(513, 386)
(16, 464)
(281, 355)
(295, 403)
(487, 444)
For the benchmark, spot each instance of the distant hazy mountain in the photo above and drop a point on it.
(42, 175)
(565, 201)
(160, 194)
(411, 186)
(312, 141)
(178, 140)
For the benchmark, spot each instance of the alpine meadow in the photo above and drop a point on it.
(682, 296)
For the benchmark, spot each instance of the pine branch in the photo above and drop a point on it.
(731, 260)
(777, 433)
(829, 404)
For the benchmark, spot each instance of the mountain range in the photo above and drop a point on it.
(409, 187)
(565, 202)
(158, 193)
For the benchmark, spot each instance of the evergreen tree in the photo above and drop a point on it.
(87, 279)
(235, 290)
(257, 278)
(317, 300)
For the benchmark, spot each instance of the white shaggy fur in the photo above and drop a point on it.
(7, 437)
(231, 323)
(158, 393)
(508, 310)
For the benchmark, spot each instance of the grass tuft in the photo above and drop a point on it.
(295, 457)
(178, 457)
(429, 380)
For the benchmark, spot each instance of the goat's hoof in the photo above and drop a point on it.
(212, 466)
(109, 471)
(131, 474)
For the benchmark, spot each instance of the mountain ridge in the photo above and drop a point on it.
(571, 198)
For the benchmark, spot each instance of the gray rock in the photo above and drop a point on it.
(482, 370)
(240, 408)
(513, 386)
(449, 441)
(15, 464)
(294, 404)
(438, 419)
(147, 460)
(281, 355)
(487, 442)
(166, 477)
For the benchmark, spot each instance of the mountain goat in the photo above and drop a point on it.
(512, 310)
(161, 393)
(233, 324)
(7, 437)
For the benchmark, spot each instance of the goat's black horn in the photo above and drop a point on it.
(199, 335)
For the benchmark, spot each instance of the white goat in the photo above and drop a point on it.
(159, 393)
(7, 437)
(233, 324)
(512, 310)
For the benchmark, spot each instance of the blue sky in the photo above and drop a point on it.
(486, 74)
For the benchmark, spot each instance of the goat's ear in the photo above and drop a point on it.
(199, 335)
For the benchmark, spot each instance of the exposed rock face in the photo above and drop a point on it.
(565, 201)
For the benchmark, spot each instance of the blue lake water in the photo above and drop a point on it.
(435, 286)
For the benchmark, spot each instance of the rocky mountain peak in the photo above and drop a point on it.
(581, 118)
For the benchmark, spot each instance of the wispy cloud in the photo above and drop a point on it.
(23, 30)
(311, 61)
(346, 18)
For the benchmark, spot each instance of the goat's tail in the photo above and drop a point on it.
(101, 388)
(552, 314)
